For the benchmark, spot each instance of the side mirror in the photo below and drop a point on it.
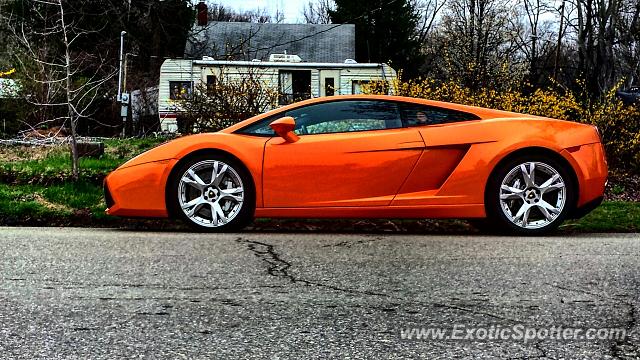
(284, 128)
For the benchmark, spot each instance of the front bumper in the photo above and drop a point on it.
(108, 199)
(139, 190)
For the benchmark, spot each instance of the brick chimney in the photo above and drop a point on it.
(203, 13)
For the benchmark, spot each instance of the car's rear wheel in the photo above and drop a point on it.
(530, 195)
(212, 192)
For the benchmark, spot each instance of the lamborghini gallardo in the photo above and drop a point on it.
(361, 156)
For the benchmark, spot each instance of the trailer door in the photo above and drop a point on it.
(329, 82)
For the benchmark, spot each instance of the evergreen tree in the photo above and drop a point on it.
(385, 31)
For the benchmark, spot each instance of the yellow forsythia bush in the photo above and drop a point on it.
(619, 124)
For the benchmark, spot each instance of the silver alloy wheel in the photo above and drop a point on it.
(532, 195)
(210, 193)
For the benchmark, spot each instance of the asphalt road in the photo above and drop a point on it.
(83, 293)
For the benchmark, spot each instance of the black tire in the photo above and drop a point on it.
(498, 221)
(243, 216)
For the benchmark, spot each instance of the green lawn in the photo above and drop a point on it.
(611, 216)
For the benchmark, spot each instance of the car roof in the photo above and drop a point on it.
(482, 113)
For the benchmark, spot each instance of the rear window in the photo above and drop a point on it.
(418, 115)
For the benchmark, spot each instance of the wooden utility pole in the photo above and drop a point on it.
(559, 44)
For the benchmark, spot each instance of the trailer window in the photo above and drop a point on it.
(211, 83)
(380, 87)
(180, 90)
(357, 86)
(293, 85)
(329, 86)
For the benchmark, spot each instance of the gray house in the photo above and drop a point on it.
(319, 43)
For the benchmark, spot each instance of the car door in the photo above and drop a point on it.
(446, 144)
(349, 153)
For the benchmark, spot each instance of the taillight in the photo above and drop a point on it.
(604, 153)
(599, 133)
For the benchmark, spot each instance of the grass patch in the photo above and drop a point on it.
(63, 199)
(22, 202)
(52, 165)
(79, 196)
(611, 216)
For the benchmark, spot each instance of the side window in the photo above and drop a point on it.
(261, 128)
(335, 117)
(345, 116)
(418, 115)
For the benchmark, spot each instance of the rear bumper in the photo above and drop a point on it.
(590, 165)
(586, 208)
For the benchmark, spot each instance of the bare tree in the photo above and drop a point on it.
(218, 12)
(4, 35)
(69, 80)
(317, 12)
(595, 29)
(428, 10)
(535, 38)
(606, 36)
(533, 9)
(627, 47)
(477, 40)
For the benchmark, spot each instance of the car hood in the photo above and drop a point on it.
(168, 150)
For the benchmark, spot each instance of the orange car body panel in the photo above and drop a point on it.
(435, 171)
(345, 169)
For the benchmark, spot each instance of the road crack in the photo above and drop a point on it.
(477, 312)
(349, 244)
(278, 267)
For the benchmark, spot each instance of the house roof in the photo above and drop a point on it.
(325, 43)
(315, 65)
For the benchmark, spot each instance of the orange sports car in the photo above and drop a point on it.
(370, 157)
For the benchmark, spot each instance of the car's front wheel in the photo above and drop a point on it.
(211, 192)
(530, 195)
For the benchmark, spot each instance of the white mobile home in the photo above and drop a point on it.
(294, 80)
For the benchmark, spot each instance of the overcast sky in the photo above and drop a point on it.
(292, 9)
